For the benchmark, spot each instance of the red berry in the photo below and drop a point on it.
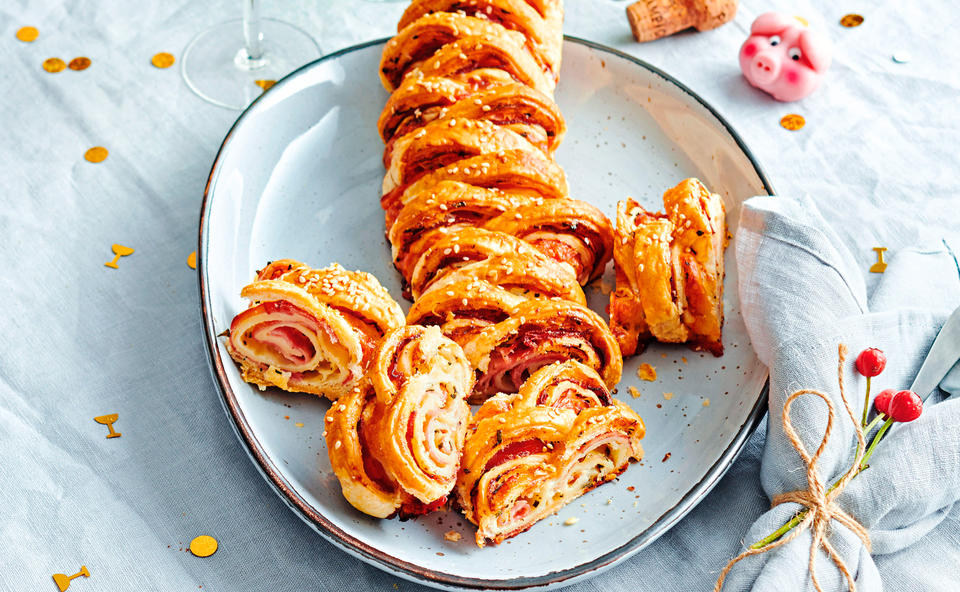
(871, 362)
(905, 406)
(882, 402)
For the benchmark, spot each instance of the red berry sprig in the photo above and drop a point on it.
(905, 406)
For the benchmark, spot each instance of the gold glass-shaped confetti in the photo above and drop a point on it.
(192, 260)
(108, 420)
(118, 251)
(880, 266)
(793, 122)
(63, 580)
(265, 84)
(27, 34)
(54, 65)
(96, 154)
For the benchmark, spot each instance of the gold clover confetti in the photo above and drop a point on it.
(162, 60)
(118, 251)
(793, 122)
(27, 34)
(54, 65)
(78, 64)
(851, 20)
(192, 260)
(204, 546)
(880, 266)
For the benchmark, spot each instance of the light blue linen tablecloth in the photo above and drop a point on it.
(878, 158)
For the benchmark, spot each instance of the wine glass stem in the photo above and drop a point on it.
(251, 29)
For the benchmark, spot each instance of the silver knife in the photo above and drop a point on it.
(943, 354)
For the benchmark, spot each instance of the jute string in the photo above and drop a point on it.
(818, 500)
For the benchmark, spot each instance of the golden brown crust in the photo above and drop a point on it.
(310, 330)
(464, 308)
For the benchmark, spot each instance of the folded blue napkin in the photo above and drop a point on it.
(802, 294)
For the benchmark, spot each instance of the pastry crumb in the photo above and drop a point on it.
(667, 396)
(609, 500)
(452, 536)
(683, 359)
(706, 402)
(571, 521)
(634, 392)
(666, 457)
(647, 372)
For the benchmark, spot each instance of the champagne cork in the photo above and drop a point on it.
(653, 19)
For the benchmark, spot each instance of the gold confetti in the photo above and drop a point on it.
(162, 60)
(634, 392)
(880, 266)
(192, 260)
(706, 402)
(647, 372)
(265, 84)
(78, 64)
(96, 154)
(298, 424)
(118, 251)
(54, 65)
(793, 122)
(108, 420)
(27, 34)
(802, 21)
(851, 20)
(571, 521)
(667, 396)
(203, 546)
(63, 580)
(683, 359)
(452, 536)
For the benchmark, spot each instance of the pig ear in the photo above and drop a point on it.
(817, 49)
(771, 22)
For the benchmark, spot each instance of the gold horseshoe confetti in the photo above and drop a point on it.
(118, 251)
(108, 420)
(192, 260)
(204, 546)
(880, 266)
(54, 65)
(162, 60)
(96, 154)
(793, 122)
(63, 580)
(78, 64)
(27, 34)
(851, 20)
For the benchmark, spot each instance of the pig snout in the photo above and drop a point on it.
(765, 68)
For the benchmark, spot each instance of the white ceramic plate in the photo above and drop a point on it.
(298, 176)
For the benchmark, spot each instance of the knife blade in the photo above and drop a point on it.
(943, 354)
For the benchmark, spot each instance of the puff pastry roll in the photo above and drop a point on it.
(529, 454)
(569, 230)
(538, 333)
(442, 143)
(464, 308)
(449, 209)
(515, 172)
(405, 439)
(420, 39)
(501, 51)
(310, 330)
(539, 21)
(422, 99)
(670, 271)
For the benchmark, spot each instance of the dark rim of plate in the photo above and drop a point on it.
(371, 554)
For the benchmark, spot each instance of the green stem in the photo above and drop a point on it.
(866, 404)
(793, 522)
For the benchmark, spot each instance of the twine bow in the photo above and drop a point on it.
(819, 501)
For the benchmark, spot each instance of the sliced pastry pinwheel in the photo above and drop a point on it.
(310, 330)
(539, 21)
(538, 333)
(397, 442)
(463, 309)
(515, 172)
(670, 271)
(527, 455)
(569, 230)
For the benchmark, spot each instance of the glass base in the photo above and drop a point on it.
(216, 67)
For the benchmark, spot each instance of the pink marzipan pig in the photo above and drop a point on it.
(784, 58)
